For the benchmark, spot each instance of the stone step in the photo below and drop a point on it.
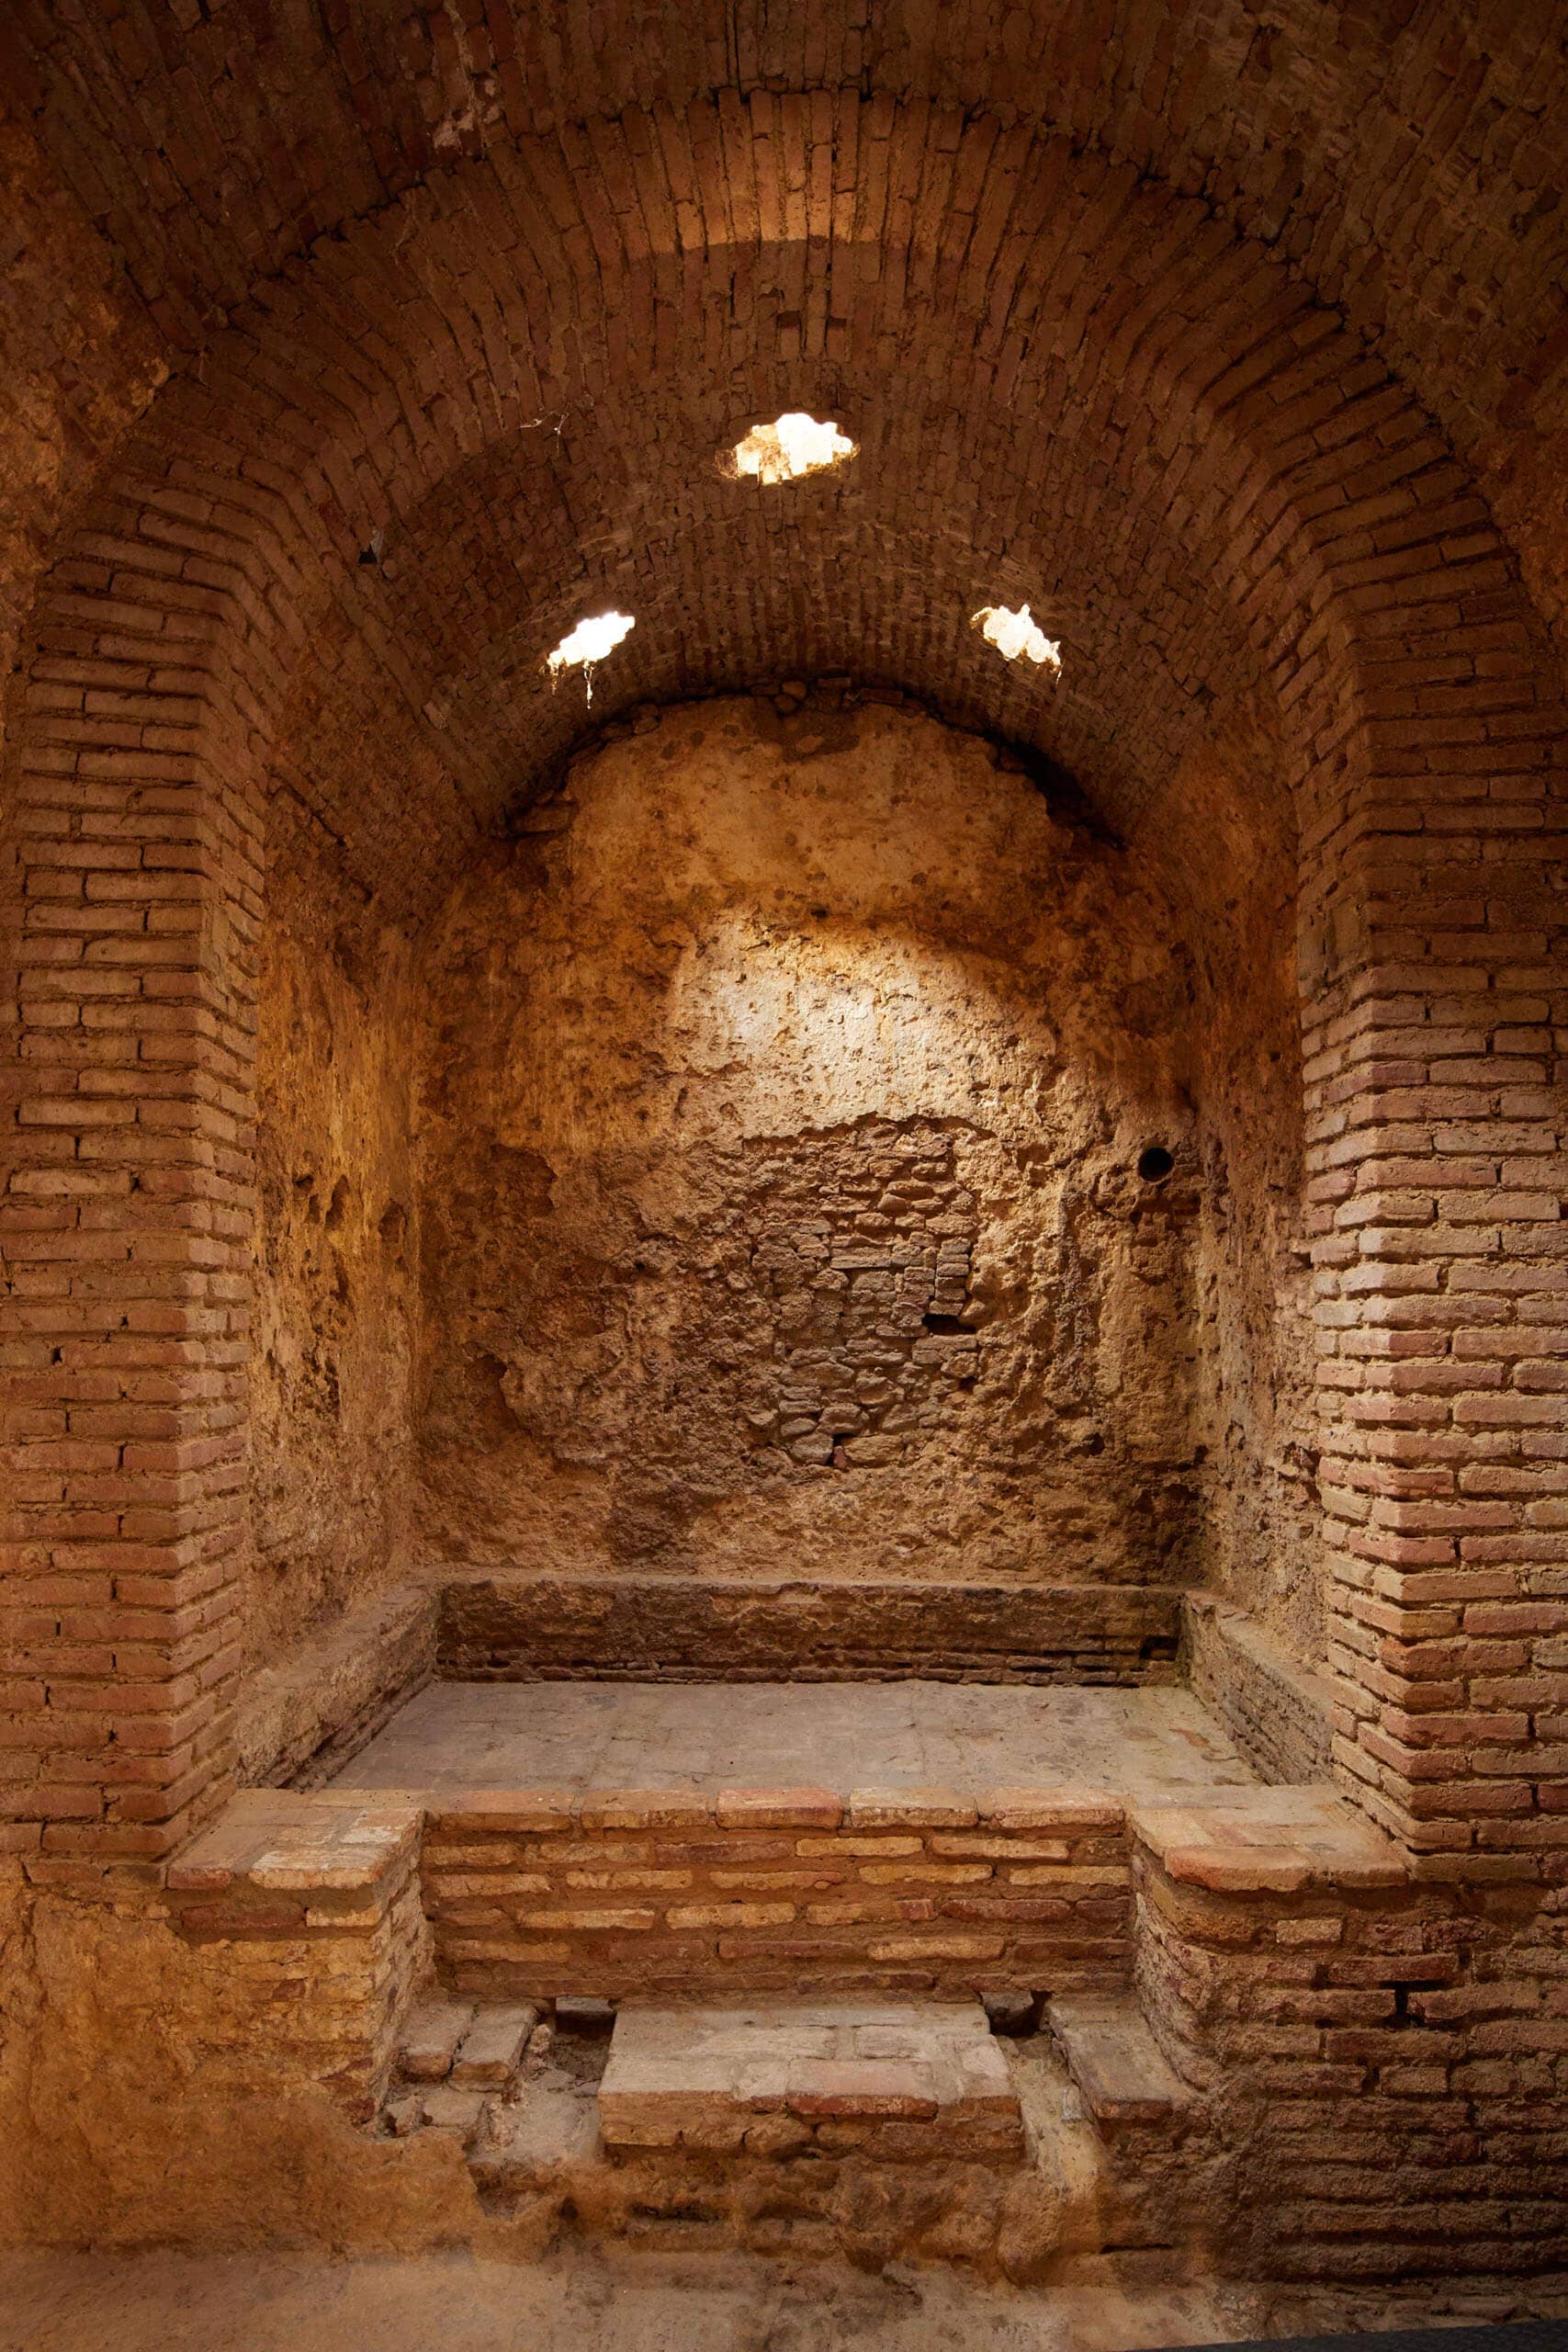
(492, 2051)
(899, 2083)
(1120, 2070)
(473, 2045)
(430, 2037)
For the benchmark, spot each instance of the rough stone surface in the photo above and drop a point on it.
(779, 1144)
(336, 1242)
(453, 2303)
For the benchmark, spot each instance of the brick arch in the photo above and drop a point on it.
(729, 586)
(1364, 575)
(1455, 280)
(349, 387)
(1226, 403)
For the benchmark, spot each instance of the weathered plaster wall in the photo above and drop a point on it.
(782, 1097)
(331, 1342)
(1223, 838)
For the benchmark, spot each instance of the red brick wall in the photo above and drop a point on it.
(647, 1893)
(127, 1216)
(1436, 1174)
(1377, 2074)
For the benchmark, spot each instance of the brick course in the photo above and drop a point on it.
(1378, 2063)
(660, 1891)
(689, 1629)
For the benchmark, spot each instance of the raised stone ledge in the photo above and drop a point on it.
(1122, 2075)
(276, 1858)
(684, 1629)
(1267, 1841)
(1071, 1809)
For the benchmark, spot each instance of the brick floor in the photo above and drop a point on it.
(903, 1736)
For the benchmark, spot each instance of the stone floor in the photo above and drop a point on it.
(703, 1736)
(582, 2301)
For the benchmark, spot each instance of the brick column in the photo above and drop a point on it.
(1436, 985)
(124, 1211)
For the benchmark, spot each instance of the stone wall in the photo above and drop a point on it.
(784, 1099)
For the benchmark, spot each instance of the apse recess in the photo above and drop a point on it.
(782, 1100)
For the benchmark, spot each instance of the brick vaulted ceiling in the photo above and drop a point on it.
(492, 285)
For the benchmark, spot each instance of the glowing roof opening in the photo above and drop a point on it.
(795, 444)
(588, 643)
(1015, 633)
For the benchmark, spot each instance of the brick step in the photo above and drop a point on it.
(876, 2130)
(459, 2042)
(1120, 2072)
(513, 2086)
(903, 2083)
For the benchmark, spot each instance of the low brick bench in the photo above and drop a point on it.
(1268, 1840)
(531, 1893)
(695, 1629)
